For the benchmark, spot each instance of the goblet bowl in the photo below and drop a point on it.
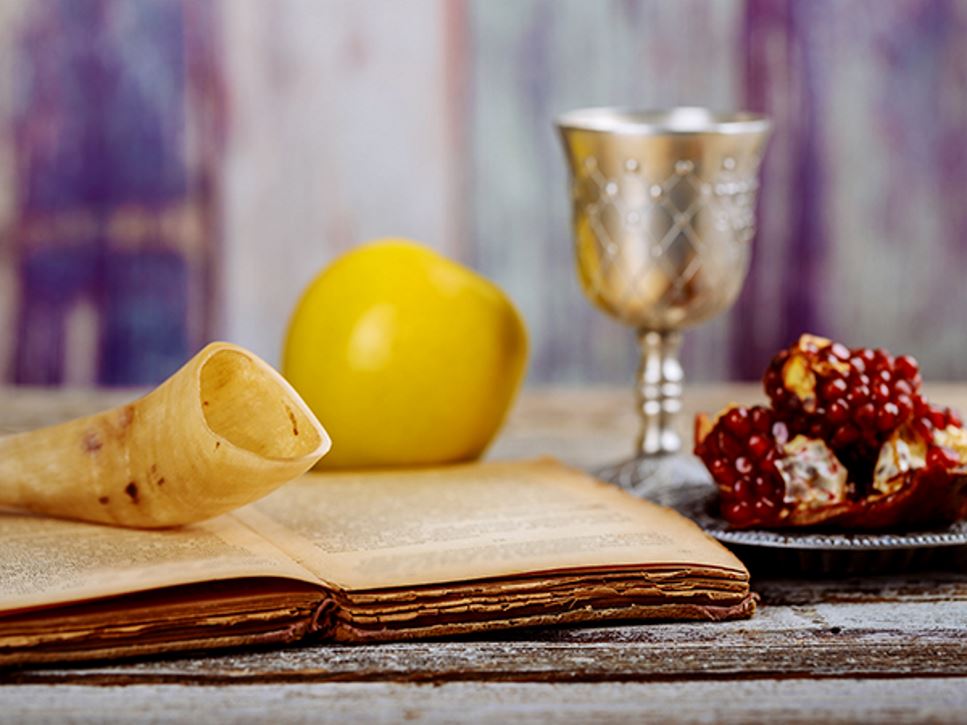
(663, 206)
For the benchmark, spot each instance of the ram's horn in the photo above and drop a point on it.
(221, 432)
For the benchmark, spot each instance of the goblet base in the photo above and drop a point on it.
(656, 477)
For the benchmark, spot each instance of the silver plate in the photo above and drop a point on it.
(698, 502)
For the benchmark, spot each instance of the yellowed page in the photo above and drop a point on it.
(396, 529)
(48, 561)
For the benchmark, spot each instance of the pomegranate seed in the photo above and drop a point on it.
(882, 358)
(881, 393)
(834, 389)
(739, 514)
(720, 469)
(838, 412)
(729, 446)
(763, 486)
(886, 417)
(759, 446)
(857, 397)
(741, 489)
(768, 465)
(844, 437)
(905, 405)
(839, 351)
(737, 423)
(866, 415)
(906, 367)
(765, 509)
(761, 420)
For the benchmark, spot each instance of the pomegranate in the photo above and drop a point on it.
(852, 399)
(741, 449)
(849, 440)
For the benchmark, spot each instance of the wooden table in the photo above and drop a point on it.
(887, 649)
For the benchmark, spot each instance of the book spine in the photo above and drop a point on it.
(322, 624)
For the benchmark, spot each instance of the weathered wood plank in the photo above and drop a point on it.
(532, 60)
(899, 626)
(341, 132)
(894, 627)
(582, 426)
(789, 701)
(25, 408)
(906, 588)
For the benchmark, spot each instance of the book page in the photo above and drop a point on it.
(48, 561)
(427, 526)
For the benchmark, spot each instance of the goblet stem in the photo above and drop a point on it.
(660, 378)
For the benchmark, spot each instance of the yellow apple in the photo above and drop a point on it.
(406, 357)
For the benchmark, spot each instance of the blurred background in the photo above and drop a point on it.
(173, 171)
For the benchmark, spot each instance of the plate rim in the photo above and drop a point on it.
(690, 498)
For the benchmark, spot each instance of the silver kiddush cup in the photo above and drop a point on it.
(664, 214)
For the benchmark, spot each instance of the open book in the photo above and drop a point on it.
(363, 558)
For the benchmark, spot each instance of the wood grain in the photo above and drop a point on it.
(850, 628)
(529, 62)
(864, 648)
(583, 426)
(347, 121)
(787, 701)
(341, 133)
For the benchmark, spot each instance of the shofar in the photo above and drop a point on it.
(221, 432)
